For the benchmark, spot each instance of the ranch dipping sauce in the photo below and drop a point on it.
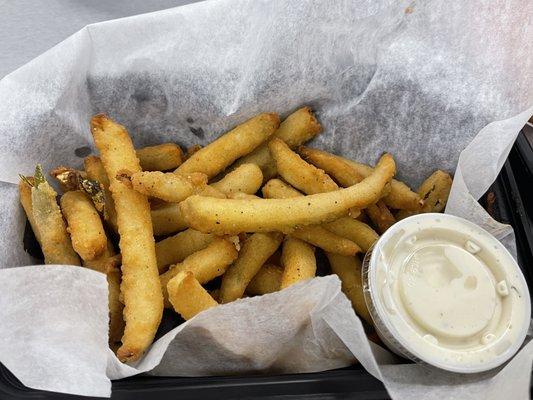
(443, 291)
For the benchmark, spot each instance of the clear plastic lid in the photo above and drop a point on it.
(443, 291)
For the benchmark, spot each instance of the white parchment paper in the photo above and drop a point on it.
(438, 84)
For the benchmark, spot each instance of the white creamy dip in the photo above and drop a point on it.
(443, 291)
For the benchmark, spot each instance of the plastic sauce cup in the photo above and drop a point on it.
(443, 291)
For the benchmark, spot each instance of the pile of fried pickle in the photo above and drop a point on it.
(251, 207)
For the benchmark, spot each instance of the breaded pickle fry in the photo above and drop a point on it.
(84, 225)
(175, 249)
(209, 191)
(216, 156)
(253, 254)
(246, 178)
(326, 240)
(162, 157)
(297, 128)
(355, 230)
(106, 261)
(336, 167)
(71, 179)
(51, 229)
(140, 287)
(95, 171)
(240, 195)
(277, 189)
(267, 280)
(399, 197)
(167, 219)
(314, 234)
(299, 173)
(187, 296)
(25, 199)
(167, 186)
(230, 216)
(298, 261)
(348, 269)
(205, 264)
(380, 216)
(434, 191)
(68, 178)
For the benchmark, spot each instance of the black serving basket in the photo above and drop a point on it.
(508, 200)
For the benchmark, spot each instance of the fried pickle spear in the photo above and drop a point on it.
(300, 174)
(348, 173)
(209, 191)
(298, 261)
(51, 230)
(355, 230)
(326, 240)
(68, 178)
(348, 269)
(167, 218)
(231, 216)
(297, 128)
(187, 296)
(253, 254)
(313, 234)
(296, 171)
(240, 195)
(205, 264)
(277, 189)
(246, 178)
(168, 186)
(162, 157)
(71, 179)
(216, 156)
(176, 248)
(95, 171)
(140, 287)
(108, 260)
(84, 225)
(434, 191)
(267, 280)
(25, 186)
(380, 216)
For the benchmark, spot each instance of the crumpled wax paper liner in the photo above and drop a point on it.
(438, 84)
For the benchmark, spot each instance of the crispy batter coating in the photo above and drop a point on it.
(296, 129)
(219, 154)
(140, 287)
(253, 254)
(187, 296)
(298, 261)
(84, 225)
(232, 216)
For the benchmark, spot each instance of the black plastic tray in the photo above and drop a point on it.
(509, 200)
